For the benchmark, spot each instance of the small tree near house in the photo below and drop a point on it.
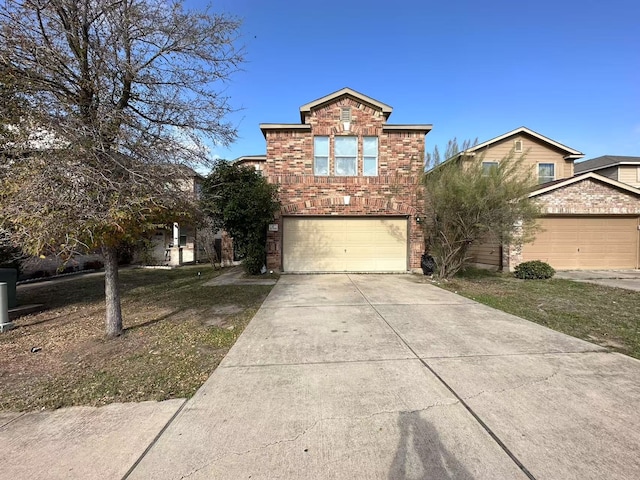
(241, 201)
(109, 100)
(465, 202)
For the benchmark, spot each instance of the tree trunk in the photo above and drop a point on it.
(112, 292)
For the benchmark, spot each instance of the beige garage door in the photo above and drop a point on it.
(586, 243)
(372, 244)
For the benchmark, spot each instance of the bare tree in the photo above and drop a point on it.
(207, 240)
(117, 98)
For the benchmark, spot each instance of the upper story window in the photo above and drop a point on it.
(487, 167)
(321, 155)
(546, 172)
(370, 156)
(346, 156)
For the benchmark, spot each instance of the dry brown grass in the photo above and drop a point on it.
(176, 332)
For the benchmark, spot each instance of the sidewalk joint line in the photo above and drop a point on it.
(329, 362)
(412, 359)
(22, 414)
(521, 354)
(153, 442)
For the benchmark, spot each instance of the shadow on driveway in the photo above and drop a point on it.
(420, 440)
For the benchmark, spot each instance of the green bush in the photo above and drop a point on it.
(534, 270)
(255, 258)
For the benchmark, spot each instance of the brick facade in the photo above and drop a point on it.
(589, 197)
(395, 191)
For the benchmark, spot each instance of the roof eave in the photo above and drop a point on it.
(610, 165)
(250, 158)
(570, 151)
(264, 127)
(408, 128)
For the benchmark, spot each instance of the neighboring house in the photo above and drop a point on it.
(181, 243)
(348, 183)
(589, 221)
(256, 162)
(176, 244)
(549, 160)
(615, 167)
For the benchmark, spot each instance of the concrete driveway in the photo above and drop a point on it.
(386, 377)
(627, 279)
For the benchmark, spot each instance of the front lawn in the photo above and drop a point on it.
(177, 330)
(606, 316)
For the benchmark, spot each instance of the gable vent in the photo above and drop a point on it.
(345, 114)
(517, 146)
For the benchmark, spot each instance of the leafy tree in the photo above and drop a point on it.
(241, 201)
(465, 203)
(116, 98)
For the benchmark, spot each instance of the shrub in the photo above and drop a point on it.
(254, 259)
(534, 270)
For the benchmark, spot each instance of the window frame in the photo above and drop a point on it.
(326, 156)
(553, 176)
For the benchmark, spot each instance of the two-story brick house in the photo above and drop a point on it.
(349, 184)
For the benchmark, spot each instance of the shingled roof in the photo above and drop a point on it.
(605, 161)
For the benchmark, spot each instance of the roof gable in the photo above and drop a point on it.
(570, 153)
(345, 92)
(605, 161)
(558, 184)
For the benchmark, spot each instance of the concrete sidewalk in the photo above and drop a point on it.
(385, 377)
(627, 279)
(80, 442)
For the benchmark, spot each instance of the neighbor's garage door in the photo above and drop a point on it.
(338, 244)
(586, 243)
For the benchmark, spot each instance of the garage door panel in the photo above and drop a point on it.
(344, 244)
(586, 243)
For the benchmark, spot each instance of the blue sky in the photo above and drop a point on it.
(567, 69)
